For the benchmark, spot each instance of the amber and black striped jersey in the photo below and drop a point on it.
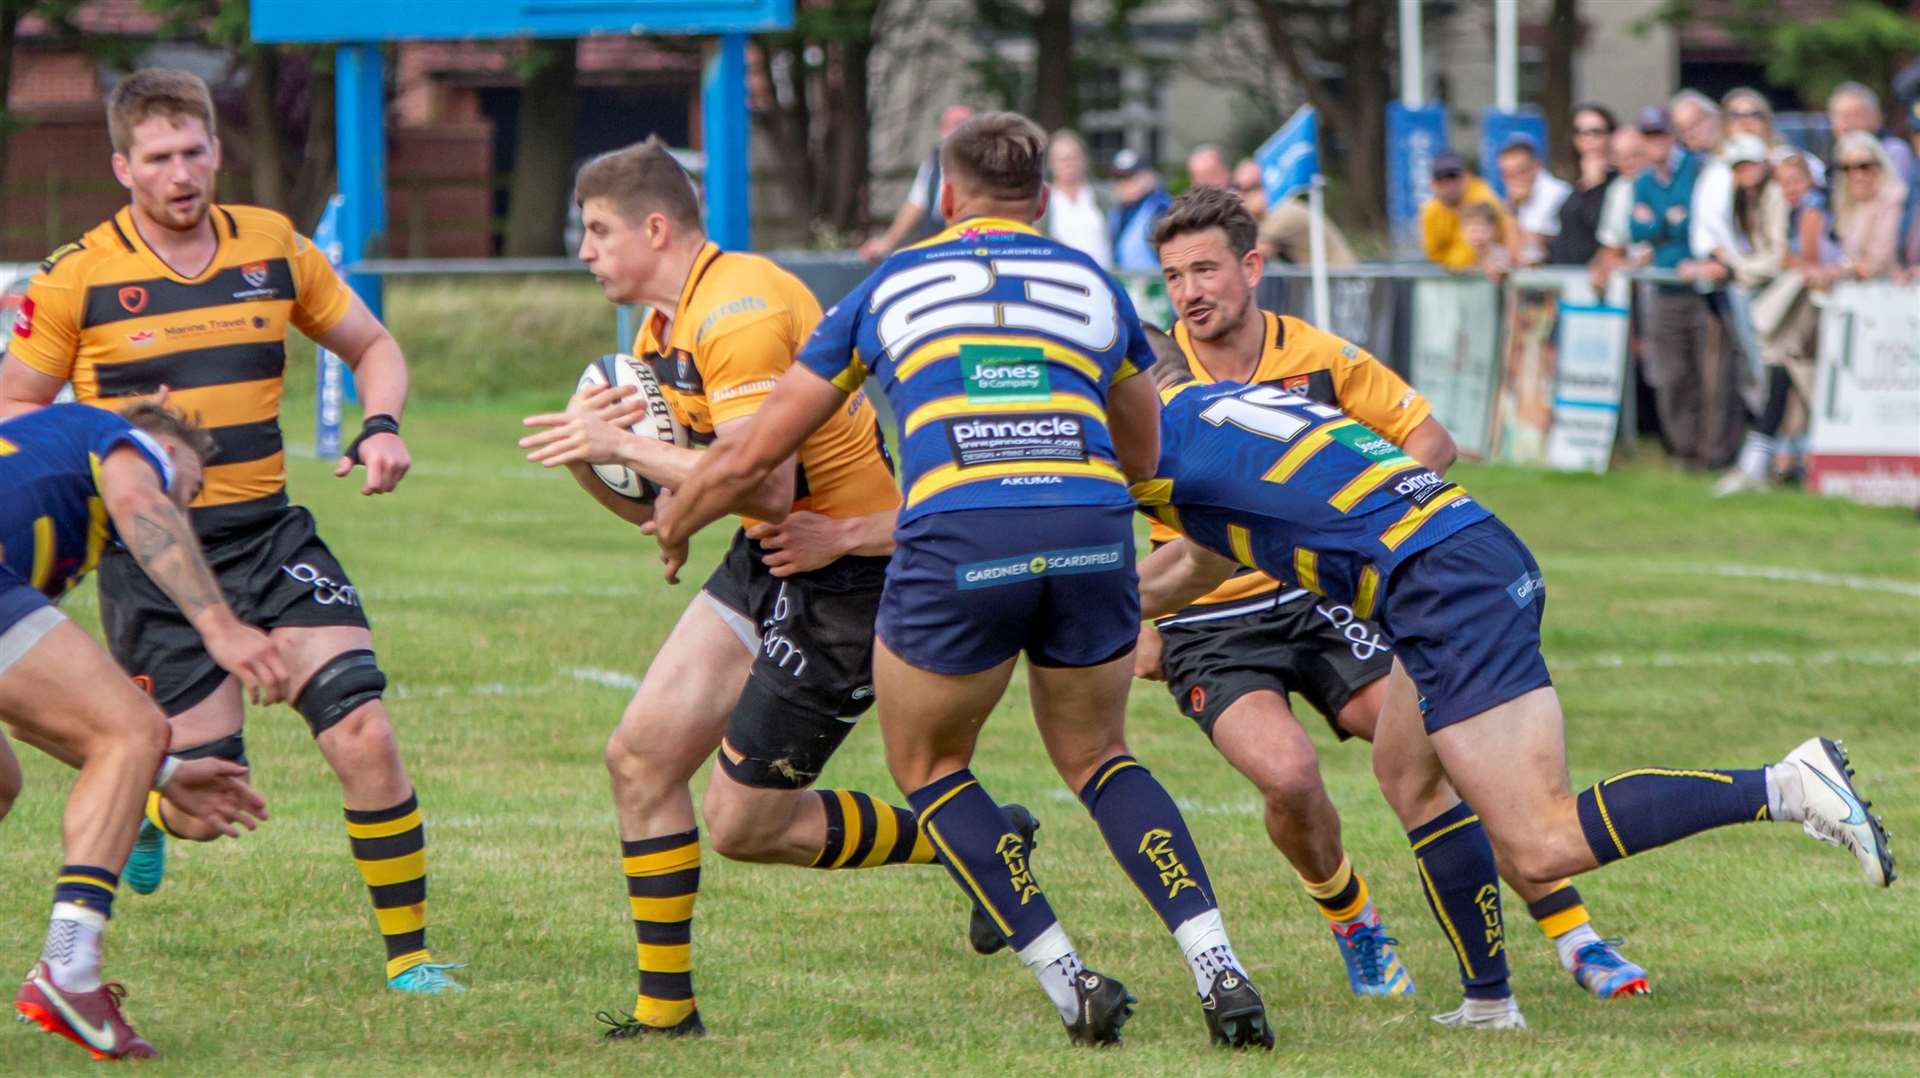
(1323, 368)
(108, 315)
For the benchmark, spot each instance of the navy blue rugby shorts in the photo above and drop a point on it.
(1464, 616)
(968, 590)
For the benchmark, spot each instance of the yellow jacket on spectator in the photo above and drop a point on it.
(1440, 226)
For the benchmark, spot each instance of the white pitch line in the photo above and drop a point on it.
(612, 679)
(1909, 588)
(1661, 660)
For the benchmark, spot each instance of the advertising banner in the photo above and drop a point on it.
(1865, 439)
(1455, 354)
(1587, 388)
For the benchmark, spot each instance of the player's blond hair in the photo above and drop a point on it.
(156, 91)
(639, 180)
(1001, 155)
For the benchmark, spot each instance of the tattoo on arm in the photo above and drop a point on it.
(164, 545)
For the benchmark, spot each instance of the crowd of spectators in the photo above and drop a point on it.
(1704, 194)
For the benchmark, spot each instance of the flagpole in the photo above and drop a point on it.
(1317, 253)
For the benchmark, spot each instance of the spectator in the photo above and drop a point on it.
(1630, 158)
(1678, 316)
(919, 216)
(1140, 200)
(1534, 196)
(1074, 216)
(1577, 242)
(1749, 113)
(1907, 85)
(1248, 184)
(1285, 236)
(1480, 227)
(1453, 189)
(1786, 224)
(1854, 107)
(1207, 167)
(1712, 239)
(1868, 199)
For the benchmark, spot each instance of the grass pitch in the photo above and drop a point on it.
(512, 615)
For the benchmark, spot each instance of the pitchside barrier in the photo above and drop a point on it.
(1535, 370)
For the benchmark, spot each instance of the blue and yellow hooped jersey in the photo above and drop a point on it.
(996, 347)
(53, 522)
(1297, 490)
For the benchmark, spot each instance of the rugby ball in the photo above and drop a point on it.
(623, 370)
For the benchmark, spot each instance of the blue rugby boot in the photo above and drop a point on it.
(1373, 965)
(428, 979)
(1603, 970)
(147, 864)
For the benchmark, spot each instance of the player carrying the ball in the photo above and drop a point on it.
(1256, 476)
(771, 663)
(1012, 363)
(176, 292)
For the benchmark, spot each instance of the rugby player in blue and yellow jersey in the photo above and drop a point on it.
(1012, 364)
(77, 479)
(771, 664)
(1261, 477)
(1232, 657)
(180, 293)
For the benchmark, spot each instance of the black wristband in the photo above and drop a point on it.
(374, 424)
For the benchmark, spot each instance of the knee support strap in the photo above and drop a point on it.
(231, 747)
(352, 678)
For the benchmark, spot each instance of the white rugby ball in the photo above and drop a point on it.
(623, 370)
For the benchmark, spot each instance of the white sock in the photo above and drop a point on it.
(1786, 798)
(1053, 961)
(1756, 455)
(1568, 943)
(72, 951)
(1203, 940)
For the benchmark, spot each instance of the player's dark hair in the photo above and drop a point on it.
(161, 421)
(156, 91)
(1001, 155)
(1170, 366)
(1209, 207)
(639, 180)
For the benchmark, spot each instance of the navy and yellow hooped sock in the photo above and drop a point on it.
(1462, 885)
(87, 887)
(390, 850)
(663, 877)
(1146, 834)
(984, 855)
(1637, 810)
(866, 832)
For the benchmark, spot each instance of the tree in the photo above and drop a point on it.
(1563, 34)
(542, 183)
(815, 108)
(1048, 91)
(1340, 53)
(1864, 41)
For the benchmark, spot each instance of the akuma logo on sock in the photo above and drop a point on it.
(1489, 902)
(1013, 851)
(1157, 845)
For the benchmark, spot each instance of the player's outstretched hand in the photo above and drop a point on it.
(216, 792)
(802, 542)
(590, 431)
(249, 654)
(386, 458)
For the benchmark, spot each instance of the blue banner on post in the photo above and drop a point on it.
(1498, 128)
(332, 383)
(1413, 137)
(1291, 157)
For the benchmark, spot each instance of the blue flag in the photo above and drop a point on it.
(1291, 158)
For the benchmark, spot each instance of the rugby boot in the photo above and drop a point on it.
(1484, 1014)
(91, 1020)
(1102, 1006)
(147, 864)
(1373, 965)
(1603, 970)
(625, 1027)
(428, 979)
(1236, 1015)
(1835, 811)
(981, 933)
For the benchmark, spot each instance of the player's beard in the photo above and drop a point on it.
(1224, 322)
(175, 217)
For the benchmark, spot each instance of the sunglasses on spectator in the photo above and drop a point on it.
(1248, 188)
(1450, 174)
(1746, 114)
(1858, 166)
(1593, 131)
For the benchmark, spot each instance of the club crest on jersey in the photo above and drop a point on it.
(23, 322)
(254, 273)
(134, 298)
(1299, 383)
